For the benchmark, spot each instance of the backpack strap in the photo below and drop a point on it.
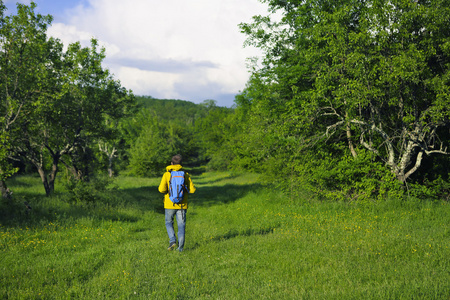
(169, 187)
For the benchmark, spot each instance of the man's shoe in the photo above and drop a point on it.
(172, 246)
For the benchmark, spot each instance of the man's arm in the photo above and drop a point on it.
(191, 185)
(163, 185)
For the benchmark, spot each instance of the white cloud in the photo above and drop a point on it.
(137, 80)
(70, 33)
(190, 50)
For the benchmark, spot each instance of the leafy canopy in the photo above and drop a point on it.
(373, 74)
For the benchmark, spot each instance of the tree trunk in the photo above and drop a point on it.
(406, 160)
(110, 154)
(73, 170)
(110, 164)
(349, 139)
(53, 173)
(110, 170)
(48, 181)
(4, 189)
(43, 176)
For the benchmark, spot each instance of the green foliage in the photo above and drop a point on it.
(349, 96)
(182, 112)
(162, 128)
(338, 177)
(24, 51)
(90, 192)
(151, 152)
(56, 103)
(6, 168)
(370, 75)
(437, 190)
(214, 133)
(157, 143)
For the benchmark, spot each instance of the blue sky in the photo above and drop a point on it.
(58, 9)
(174, 49)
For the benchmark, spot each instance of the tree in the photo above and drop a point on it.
(375, 73)
(213, 133)
(75, 118)
(24, 50)
(155, 146)
(6, 168)
(56, 102)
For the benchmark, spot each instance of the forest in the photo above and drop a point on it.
(349, 102)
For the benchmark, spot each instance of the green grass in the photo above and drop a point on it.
(244, 241)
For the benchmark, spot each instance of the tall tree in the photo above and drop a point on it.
(377, 71)
(24, 52)
(55, 102)
(213, 132)
(73, 118)
(156, 144)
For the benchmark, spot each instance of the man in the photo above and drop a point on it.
(175, 209)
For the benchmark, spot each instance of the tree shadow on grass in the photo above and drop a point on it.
(229, 176)
(247, 232)
(17, 214)
(195, 170)
(216, 195)
(235, 233)
(111, 207)
(149, 198)
(145, 199)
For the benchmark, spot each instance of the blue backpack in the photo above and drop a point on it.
(177, 187)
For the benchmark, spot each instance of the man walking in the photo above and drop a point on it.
(172, 208)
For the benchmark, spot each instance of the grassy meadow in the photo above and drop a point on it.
(244, 240)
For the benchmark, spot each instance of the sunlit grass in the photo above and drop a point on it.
(244, 241)
(27, 185)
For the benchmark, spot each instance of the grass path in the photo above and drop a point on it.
(243, 242)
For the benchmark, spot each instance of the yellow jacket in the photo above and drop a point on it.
(164, 188)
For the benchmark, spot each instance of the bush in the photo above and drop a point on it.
(89, 192)
(438, 189)
(346, 178)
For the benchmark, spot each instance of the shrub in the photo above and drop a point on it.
(438, 189)
(88, 192)
(346, 178)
